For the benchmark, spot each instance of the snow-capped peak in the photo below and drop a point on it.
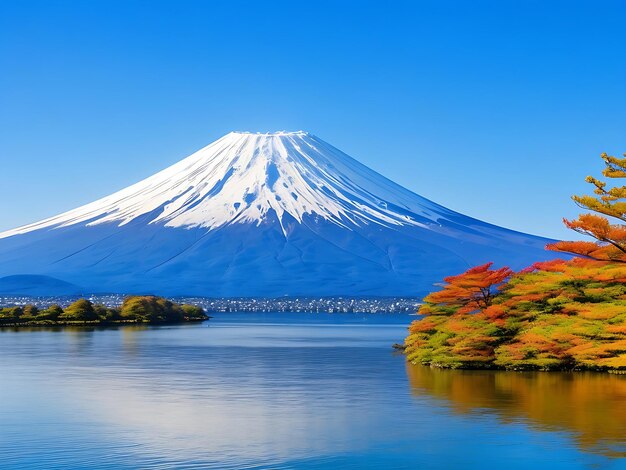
(277, 133)
(243, 177)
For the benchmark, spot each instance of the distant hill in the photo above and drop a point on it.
(32, 284)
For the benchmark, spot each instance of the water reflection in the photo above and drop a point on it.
(282, 391)
(229, 396)
(588, 405)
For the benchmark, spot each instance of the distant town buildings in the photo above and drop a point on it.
(283, 304)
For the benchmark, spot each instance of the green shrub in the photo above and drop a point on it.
(81, 310)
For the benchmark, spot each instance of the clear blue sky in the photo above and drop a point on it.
(497, 109)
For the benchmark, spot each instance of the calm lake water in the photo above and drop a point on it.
(288, 391)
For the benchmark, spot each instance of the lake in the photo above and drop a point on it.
(283, 390)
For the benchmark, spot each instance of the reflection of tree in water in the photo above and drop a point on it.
(591, 406)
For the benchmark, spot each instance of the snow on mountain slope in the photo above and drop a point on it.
(262, 214)
(243, 176)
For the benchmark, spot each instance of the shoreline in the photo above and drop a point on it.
(44, 323)
(493, 367)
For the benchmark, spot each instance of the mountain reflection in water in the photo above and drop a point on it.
(588, 405)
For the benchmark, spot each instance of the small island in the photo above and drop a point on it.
(135, 309)
(563, 314)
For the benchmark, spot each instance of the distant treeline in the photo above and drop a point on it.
(134, 309)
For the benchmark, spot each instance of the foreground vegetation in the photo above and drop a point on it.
(555, 315)
(134, 309)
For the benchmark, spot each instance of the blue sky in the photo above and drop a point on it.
(496, 109)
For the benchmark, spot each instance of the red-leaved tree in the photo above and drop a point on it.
(468, 292)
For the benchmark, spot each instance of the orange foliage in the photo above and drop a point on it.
(559, 314)
(554, 315)
(610, 238)
(467, 292)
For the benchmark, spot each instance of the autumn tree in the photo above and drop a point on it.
(53, 312)
(468, 292)
(458, 330)
(30, 311)
(610, 244)
(151, 309)
(554, 315)
(81, 310)
(192, 312)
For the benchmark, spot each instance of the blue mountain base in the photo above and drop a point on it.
(271, 259)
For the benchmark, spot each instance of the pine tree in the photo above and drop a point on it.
(610, 244)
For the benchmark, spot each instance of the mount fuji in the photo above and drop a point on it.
(260, 215)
